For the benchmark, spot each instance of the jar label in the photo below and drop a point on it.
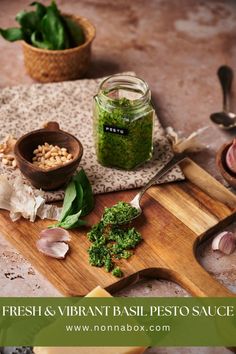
(115, 130)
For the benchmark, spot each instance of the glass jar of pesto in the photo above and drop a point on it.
(123, 122)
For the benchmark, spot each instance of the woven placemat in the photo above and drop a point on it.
(26, 108)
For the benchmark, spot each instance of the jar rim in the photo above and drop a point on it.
(125, 81)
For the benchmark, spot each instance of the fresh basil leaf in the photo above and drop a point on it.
(34, 22)
(78, 201)
(71, 221)
(28, 20)
(54, 7)
(79, 223)
(20, 15)
(37, 41)
(12, 34)
(76, 33)
(40, 9)
(88, 200)
(53, 30)
(70, 195)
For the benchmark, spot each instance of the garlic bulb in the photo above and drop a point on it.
(19, 199)
(5, 193)
(224, 242)
(231, 157)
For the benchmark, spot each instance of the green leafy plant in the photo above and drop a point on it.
(45, 28)
(78, 201)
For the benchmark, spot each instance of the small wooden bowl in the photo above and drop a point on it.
(228, 175)
(55, 177)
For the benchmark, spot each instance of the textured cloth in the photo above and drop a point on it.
(26, 108)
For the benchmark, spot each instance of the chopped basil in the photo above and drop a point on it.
(117, 272)
(111, 242)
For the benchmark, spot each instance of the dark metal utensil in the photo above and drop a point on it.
(225, 119)
(135, 202)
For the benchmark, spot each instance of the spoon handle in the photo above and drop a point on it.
(177, 158)
(225, 75)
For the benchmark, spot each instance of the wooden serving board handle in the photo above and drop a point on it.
(198, 281)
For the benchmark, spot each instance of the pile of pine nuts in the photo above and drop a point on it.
(47, 156)
(9, 160)
(7, 157)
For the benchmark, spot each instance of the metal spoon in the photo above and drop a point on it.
(176, 159)
(225, 119)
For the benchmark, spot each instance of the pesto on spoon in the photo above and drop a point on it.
(124, 213)
(119, 213)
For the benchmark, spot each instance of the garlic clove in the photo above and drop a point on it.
(52, 249)
(55, 234)
(231, 157)
(53, 242)
(224, 242)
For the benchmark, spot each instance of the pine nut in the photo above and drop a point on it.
(47, 156)
(5, 161)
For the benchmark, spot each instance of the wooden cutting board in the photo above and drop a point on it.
(177, 216)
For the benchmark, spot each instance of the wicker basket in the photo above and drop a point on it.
(60, 65)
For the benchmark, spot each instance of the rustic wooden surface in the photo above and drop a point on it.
(176, 216)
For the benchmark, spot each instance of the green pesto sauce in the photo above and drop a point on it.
(117, 272)
(111, 243)
(119, 213)
(124, 151)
